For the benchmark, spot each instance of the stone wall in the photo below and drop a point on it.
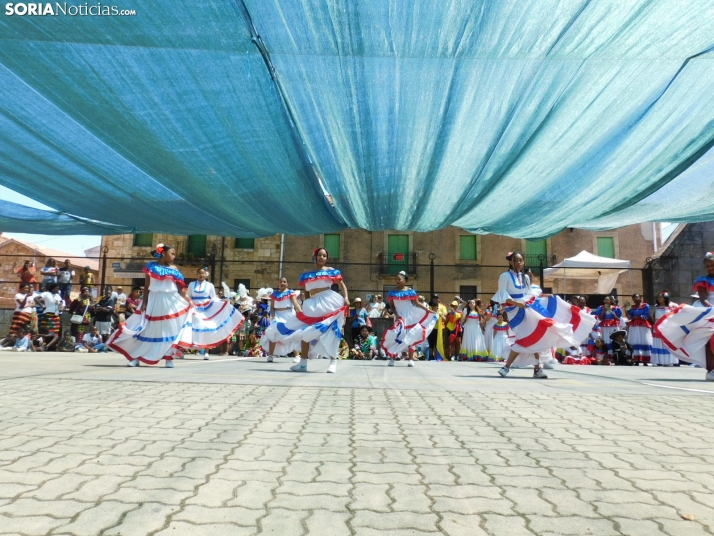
(681, 261)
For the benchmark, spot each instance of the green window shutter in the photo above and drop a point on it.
(398, 253)
(332, 245)
(536, 252)
(606, 246)
(144, 239)
(467, 248)
(245, 243)
(197, 245)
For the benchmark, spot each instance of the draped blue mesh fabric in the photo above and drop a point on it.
(518, 118)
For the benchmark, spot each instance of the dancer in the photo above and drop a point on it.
(640, 331)
(689, 331)
(537, 326)
(661, 356)
(473, 347)
(608, 315)
(318, 328)
(263, 311)
(167, 322)
(491, 320)
(284, 306)
(413, 322)
(585, 347)
(205, 301)
(501, 345)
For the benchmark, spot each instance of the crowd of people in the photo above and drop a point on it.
(520, 326)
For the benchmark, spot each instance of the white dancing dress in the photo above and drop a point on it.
(501, 342)
(282, 310)
(687, 330)
(473, 343)
(609, 323)
(488, 330)
(544, 323)
(212, 317)
(169, 323)
(660, 352)
(322, 318)
(413, 326)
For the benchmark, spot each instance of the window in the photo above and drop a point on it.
(332, 245)
(398, 253)
(245, 243)
(196, 245)
(536, 253)
(144, 239)
(606, 246)
(468, 292)
(467, 247)
(245, 282)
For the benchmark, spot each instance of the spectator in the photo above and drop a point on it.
(434, 335)
(621, 350)
(376, 306)
(133, 301)
(64, 278)
(81, 310)
(86, 279)
(365, 345)
(49, 272)
(360, 318)
(92, 341)
(120, 307)
(45, 341)
(453, 330)
(24, 308)
(23, 343)
(441, 310)
(67, 344)
(27, 275)
(53, 306)
(103, 311)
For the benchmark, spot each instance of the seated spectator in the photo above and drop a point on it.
(365, 346)
(253, 347)
(621, 350)
(67, 344)
(23, 342)
(600, 352)
(92, 341)
(45, 341)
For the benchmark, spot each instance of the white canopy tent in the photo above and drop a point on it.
(585, 265)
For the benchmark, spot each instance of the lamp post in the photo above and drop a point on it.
(105, 250)
(432, 256)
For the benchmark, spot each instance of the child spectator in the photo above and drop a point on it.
(599, 352)
(365, 345)
(93, 342)
(67, 344)
(23, 343)
(621, 351)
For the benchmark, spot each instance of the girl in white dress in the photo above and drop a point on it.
(413, 321)
(538, 324)
(283, 307)
(473, 344)
(491, 320)
(502, 337)
(167, 322)
(318, 328)
(661, 356)
(689, 331)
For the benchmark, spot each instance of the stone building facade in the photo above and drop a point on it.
(680, 261)
(464, 263)
(13, 253)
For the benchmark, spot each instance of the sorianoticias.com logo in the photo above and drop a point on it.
(47, 9)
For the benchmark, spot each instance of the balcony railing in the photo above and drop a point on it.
(397, 262)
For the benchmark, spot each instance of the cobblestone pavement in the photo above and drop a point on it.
(151, 455)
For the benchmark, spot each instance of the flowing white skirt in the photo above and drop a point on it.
(553, 324)
(488, 332)
(660, 353)
(606, 332)
(412, 328)
(320, 324)
(473, 343)
(272, 334)
(687, 331)
(640, 338)
(170, 324)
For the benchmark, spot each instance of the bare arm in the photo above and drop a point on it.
(703, 296)
(344, 292)
(296, 304)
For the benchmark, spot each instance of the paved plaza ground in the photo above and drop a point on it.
(240, 447)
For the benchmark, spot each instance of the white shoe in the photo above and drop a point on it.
(296, 359)
(503, 371)
(300, 367)
(333, 366)
(270, 359)
(548, 366)
(391, 362)
(170, 364)
(410, 363)
(538, 373)
(133, 363)
(710, 376)
(205, 358)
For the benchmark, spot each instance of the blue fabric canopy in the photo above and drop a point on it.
(238, 117)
